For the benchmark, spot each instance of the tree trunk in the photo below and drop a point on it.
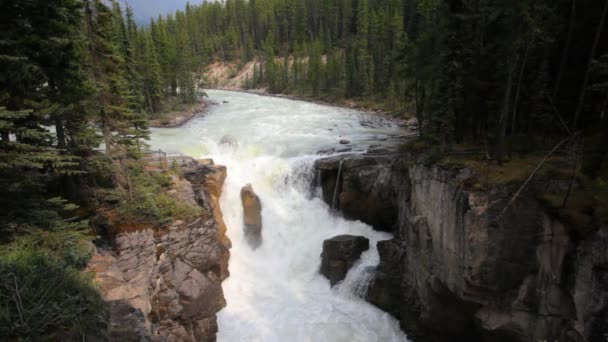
(581, 99)
(593, 162)
(106, 134)
(149, 99)
(420, 95)
(518, 90)
(562, 65)
(60, 133)
(504, 118)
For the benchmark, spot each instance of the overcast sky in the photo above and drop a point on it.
(146, 9)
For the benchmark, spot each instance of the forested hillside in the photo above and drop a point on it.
(489, 73)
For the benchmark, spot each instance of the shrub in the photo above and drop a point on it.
(150, 203)
(43, 294)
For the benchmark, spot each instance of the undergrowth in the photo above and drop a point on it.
(44, 295)
(148, 201)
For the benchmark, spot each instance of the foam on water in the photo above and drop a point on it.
(276, 293)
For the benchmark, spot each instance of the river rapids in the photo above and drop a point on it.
(275, 293)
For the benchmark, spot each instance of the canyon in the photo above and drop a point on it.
(455, 264)
(443, 261)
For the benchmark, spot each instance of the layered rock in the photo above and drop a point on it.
(339, 254)
(252, 216)
(164, 284)
(452, 264)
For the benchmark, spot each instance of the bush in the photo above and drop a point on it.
(43, 294)
(150, 204)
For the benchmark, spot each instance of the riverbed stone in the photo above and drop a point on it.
(339, 254)
(252, 216)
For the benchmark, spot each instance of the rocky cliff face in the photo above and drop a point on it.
(452, 271)
(165, 284)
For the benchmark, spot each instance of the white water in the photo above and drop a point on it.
(275, 293)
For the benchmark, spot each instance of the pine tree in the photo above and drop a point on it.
(42, 83)
(122, 128)
(184, 76)
(315, 67)
(364, 66)
(153, 86)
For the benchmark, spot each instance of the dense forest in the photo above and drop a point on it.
(503, 77)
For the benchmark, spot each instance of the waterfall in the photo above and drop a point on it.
(333, 201)
(357, 280)
(276, 293)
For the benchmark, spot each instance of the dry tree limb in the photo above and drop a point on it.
(528, 180)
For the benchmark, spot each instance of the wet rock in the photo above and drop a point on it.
(365, 190)
(224, 101)
(411, 124)
(229, 141)
(326, 151)
(339, 254)
(252, 216)
(344, 141)
(384, 290)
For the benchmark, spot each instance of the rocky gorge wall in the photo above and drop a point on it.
(165, 284)
(455, 272)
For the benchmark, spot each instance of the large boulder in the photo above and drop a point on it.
(252, 216)
(339, 254)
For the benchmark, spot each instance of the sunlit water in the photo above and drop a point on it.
(276, 293)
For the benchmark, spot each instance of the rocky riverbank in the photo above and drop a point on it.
(164, 284)
(453, 271)
(180, 117)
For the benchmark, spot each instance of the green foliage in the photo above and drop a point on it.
(44, 295)
(148, 201)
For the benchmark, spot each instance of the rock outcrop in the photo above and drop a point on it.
(164, 284)
(451, 265)
(365, 191)
(339, 254)
(252, 216)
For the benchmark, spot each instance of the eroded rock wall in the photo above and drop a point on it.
(453, 271)
(165, 284)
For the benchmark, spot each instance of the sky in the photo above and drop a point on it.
(146, 9)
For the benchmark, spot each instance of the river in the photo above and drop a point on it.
(275, 293)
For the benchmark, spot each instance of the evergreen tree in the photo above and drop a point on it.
(122, 128)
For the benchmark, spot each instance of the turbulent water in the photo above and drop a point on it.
(276, 293)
